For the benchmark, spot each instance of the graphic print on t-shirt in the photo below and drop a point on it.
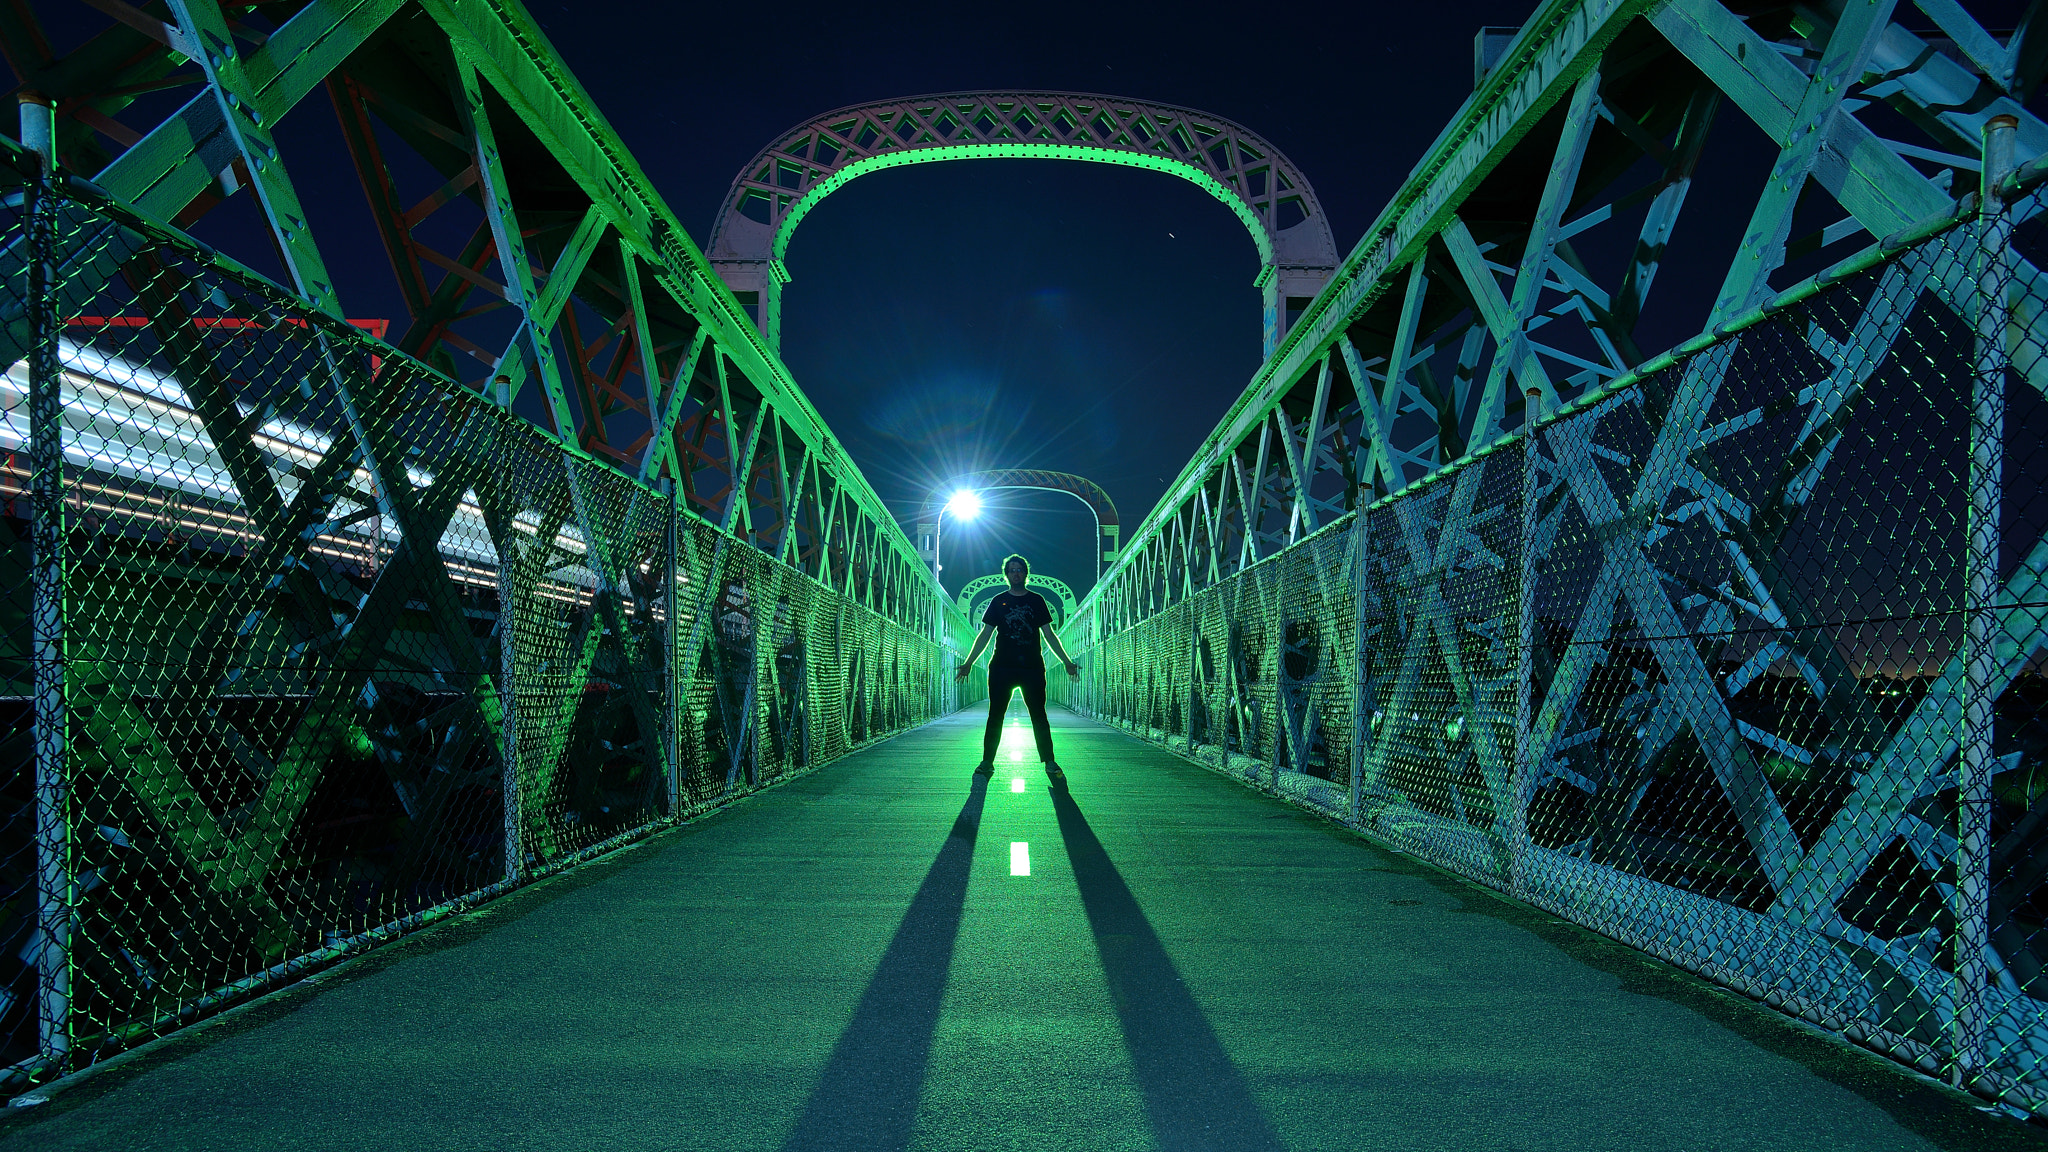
(1017, 620)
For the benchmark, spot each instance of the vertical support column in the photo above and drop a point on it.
(844, 689)
(1361, 543)
(46, 583)
(1525, 650)
(508, 700)
(1232, 719)
(1280, 719)
(1986, 493)
(672, 706)
(1268, 284)
(508, 679)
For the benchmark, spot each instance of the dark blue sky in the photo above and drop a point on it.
(983, 314)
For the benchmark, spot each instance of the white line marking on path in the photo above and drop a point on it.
(1016, 783)
(1020, 858)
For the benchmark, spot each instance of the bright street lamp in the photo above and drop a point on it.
(965, 504)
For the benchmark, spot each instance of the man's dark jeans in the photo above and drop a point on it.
(1001, 681)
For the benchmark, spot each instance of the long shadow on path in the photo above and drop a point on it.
(1194, 1096)
(867, 1096)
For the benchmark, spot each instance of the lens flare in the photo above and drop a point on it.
(964, 505)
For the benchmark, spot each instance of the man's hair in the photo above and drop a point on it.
(1015, 558)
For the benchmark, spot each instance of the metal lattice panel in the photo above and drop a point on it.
(335, 647)
(1739, 661)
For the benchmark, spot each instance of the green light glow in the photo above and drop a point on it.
(1025, 151)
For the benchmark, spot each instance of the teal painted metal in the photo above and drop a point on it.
(1396, 370)
(1724, 706)
(1641, 624)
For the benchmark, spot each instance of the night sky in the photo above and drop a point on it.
(1010, 313)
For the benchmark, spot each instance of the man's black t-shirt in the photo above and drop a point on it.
(1017, 620)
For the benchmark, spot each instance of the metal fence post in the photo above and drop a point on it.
(1361, 543)
(46, 615)
(508, 695)
(1194, 670)
(672, 707)
(1525, 651)
(1987, 462)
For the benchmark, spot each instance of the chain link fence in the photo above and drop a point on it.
(305, 646)
(1741, 664)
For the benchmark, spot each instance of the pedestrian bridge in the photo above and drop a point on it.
(1542, 713)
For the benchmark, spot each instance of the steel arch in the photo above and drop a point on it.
(784, 181)
(1079, 487)
(1058, 588)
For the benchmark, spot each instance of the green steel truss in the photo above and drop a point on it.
(576, 283)
(982, 588)
(786, 180)
(353, 633)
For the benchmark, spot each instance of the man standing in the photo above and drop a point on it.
(1017, 618)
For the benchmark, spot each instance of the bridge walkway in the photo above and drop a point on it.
(848, 962)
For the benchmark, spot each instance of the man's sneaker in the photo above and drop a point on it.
(1054, 774)
(984, 769)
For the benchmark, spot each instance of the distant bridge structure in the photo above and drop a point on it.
(979, 588)
(784, 181)
(1079, 487)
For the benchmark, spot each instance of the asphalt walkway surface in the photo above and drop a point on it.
(852, 961)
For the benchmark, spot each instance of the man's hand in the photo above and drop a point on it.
(961, 672)
(1073, 670)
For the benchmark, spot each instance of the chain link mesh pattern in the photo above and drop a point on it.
(315, 602)
(1698, 672)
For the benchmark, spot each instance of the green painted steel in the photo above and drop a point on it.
(1693, 672)
(504, 122)
(784, 181)
(974, 591)
(520, 603)
(1718, 660)
(1199, 177)
(345, 647)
